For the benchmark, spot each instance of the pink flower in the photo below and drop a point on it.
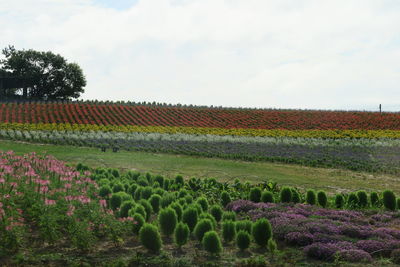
(68, 186)
(49, 202)
(2, 180)
(71, 210)
(103, 203)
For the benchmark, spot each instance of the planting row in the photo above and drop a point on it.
(356, 154)
(78, 113)
(43, 201)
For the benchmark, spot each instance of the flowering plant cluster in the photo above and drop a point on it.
(41, 195)
(328, 234)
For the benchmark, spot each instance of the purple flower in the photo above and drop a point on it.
(299, 239)
(354, 255)
(321, 251)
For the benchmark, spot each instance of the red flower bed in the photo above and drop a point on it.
(194, 117)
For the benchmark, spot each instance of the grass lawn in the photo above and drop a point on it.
(331, 180)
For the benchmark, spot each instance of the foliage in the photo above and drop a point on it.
(267, 197)
(189, 217)
(228, 231)
(203, 226)
(255, 194)
(311, 197)
(286, 194)
(181, 234)
(150, 237)
(216, 211)
(322, 199)
(168, 221)
(243, 240)
(389, 200)
(212, 243)
(261, 232)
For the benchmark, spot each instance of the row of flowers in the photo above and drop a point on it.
(78, 113)
(332, 134)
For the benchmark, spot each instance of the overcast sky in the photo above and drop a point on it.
(324, 54)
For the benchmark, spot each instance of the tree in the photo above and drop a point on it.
(45, 74)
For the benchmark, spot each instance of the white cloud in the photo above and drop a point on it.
(260, 53)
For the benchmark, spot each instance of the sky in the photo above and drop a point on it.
(307, 54)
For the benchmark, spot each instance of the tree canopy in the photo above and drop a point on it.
(42, 75)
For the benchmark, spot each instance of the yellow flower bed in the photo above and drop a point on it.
(394, 134)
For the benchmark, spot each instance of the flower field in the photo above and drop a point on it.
(362, 141)
(51, 208)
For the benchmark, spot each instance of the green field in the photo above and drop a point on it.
(331, 180)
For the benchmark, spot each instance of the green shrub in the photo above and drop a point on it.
(155, 185)
(352, 201)
(374, 197)
(178, 209)
(295, 196)
(322, 199)
(311, 197)
(206, 215)
(339, 201)
(272, 247)
(267, 197)
(131, 190)
(261, 232)
(202, 201)
(203, 226)
(155, 201)
(138, 193)
(159, 191)
(229, 216)
(141, 210)
(146, 192)
(189, 199)
(142, 181)
(179, 180)
(243, 240)
(228, 231)
(150, 237)
(244, 225)
(216, 211)
(115, 201)
(167, 199)
(147, 206)
(225, 198)
(181, 234)
(160, 180)
(138, 221)
(167, 220)
(182, 193)
(389, 200)
(118, 187)
(189, 217)
(104, 191)
(362, 198)
(255, 194)
(167, 183)
(125, 207)
(212, 243)
(286, 195)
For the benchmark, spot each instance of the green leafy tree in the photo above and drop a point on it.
(46, 75)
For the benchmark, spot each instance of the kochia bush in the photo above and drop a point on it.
(243, 240)
(181, 234)
(311, 197)
(203, 226)
(286, 194)
(228, 231)
(216, 211)
(212, 243)
(167, 220)
(322, 199)
(389, 200)
(150, 237)
(267, 197)
(189, 217)
(262, 232)
(255, 194)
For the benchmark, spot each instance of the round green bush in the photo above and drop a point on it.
(203, 226)
(267, 197)
(147, 206)
(216, 211)
(104, 191)
(131, 190)
(228, 216)
(150, 237)
(206, 215)
(322, 199)
(389, 200)
(138, 193)
(352, 201)
(182, 193)
(362, 198)
(142, 181)
(189, 217)
(374, 198)
(339, 201)
(244, 225)
(179, 180)
(189, 199)
(178, 209)
(160, 180)
(228, 231)
(159, 191)
(212, 243)
(255, 194)
(118, 187)
(202, 201)
(155, 185)
(141, 210)
(125, 207)
(261, 232)
(168, 221)
(225, 198)
(146, 192)
(181, 234)
(243, 240)
(167, 183)
(311, 197)
(115, 201)
(167, 199)
(138, 221)
(295, 196)
(155, 201)
(286, 195)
